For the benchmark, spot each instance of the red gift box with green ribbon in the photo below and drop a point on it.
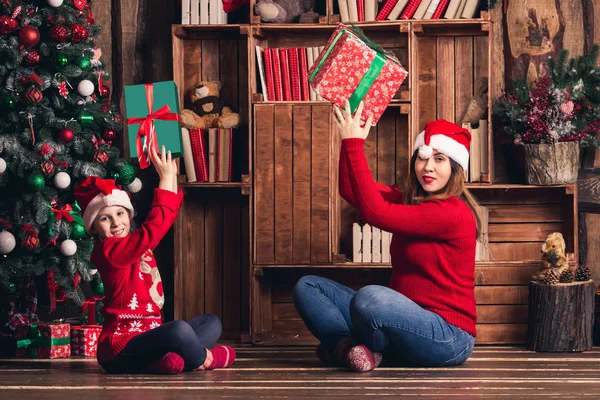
(153, 120)
(43, 340)
(84, 340)
(351, 67)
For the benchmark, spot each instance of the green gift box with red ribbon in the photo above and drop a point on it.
(152, 112)
(352, 67)
(51, 340)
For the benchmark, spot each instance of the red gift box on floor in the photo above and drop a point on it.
(84, 340)
(353, 68)
(43, 340)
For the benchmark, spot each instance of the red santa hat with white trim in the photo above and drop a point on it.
(447, 138)
(93, 194)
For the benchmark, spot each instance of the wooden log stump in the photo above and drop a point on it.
(561, 317)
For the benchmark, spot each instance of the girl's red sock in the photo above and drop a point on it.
(218, 357)
(170, 363)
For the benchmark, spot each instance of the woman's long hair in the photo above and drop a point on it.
(415, 194)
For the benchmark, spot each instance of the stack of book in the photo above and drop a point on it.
(207, 154)
(203, 12)
(283, 73)
(368, 10)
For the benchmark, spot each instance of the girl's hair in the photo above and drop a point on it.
(415, 194)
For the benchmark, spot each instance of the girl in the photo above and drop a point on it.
(426, 314)
(133, 338)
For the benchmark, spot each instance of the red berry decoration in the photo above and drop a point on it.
(101, 156)
(78, 33)
(66, 135)
(29, 36)
(59, 33)
(33, 95)
(8, 24)
(110, 134)
(32, 57)
(80, 4)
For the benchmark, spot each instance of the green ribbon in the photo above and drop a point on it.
(36, 340)
(373, 71)
(70, 213)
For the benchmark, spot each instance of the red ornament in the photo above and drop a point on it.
(62, 89)
(76, 280)
(32, 57)
(78, 33)
(103, 92)
(59, 33)
(80, 4)
(23, 80)
(101, 156)
(110, 134)
(33, 95)
(29, 36)
(118, 119)
(66, 135)
(8, 24)
(31, 243)
(47, 168)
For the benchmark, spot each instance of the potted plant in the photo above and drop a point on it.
(549, 119)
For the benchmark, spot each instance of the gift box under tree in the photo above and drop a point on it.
(153, 119)
(43, 340)
(353, 68)
(84, 340)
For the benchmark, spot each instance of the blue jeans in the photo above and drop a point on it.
(382, 319)
(189, 339)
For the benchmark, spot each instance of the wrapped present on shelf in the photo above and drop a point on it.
(353, 68)
(153, 120)
(84, 340)
(51, 340)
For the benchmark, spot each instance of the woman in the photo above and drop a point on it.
(426, 314)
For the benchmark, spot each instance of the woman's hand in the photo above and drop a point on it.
(348, 125)
(166, 167)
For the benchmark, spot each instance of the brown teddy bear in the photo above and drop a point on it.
(204, 109)
(554, 259)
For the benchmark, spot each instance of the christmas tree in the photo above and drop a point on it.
(57, 126)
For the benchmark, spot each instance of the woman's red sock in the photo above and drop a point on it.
(170, 363)
(218, 357)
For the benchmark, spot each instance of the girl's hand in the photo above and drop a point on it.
(166, 168)
(349, 126)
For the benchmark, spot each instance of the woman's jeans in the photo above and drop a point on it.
(383, 320)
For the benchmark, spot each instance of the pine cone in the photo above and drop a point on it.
(583, 274)
(551, 278)
(567, 276)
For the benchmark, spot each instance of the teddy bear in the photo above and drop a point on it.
(205, 110)
(283, 11)
(554, 259)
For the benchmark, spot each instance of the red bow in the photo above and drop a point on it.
(5, 223)
(46, 148)
(147, 128)
(63, 212)
(29, 228)
(63, 164)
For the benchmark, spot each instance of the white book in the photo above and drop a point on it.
(188, 155)
(397, 10)
(213, 12)
(356, 243)
(343, 6)
(353, 10)
(475, 156)
(261, 72)
(212, 154)
(366, 248)
(223, 156)
(315, 51)
(310, 60)
(422, 9)
(431, 9)
(222, 16)
(461, 8)
(452, 9)
(483, 141)
(185, 12)
(470, 9)
(195, 12)
(319, 51)
(371, 10)
(467, 126)
(204, 16)
(376, 244)
(386, 239)
(485, 219)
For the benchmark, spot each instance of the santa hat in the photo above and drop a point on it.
(93, 194)
(447, 138)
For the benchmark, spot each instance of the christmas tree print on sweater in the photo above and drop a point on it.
(133, 304)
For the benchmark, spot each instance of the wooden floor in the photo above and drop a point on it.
(291, 372)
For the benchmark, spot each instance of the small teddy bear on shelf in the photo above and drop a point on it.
(205, 110)
(283, 11)
(554, 259)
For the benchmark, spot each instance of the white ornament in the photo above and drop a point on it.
(85, 88)
(62, 180)
(135, 186)
(93, 272)
(68, 248)
(3, 165)
(55, 3)
(7, 242)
